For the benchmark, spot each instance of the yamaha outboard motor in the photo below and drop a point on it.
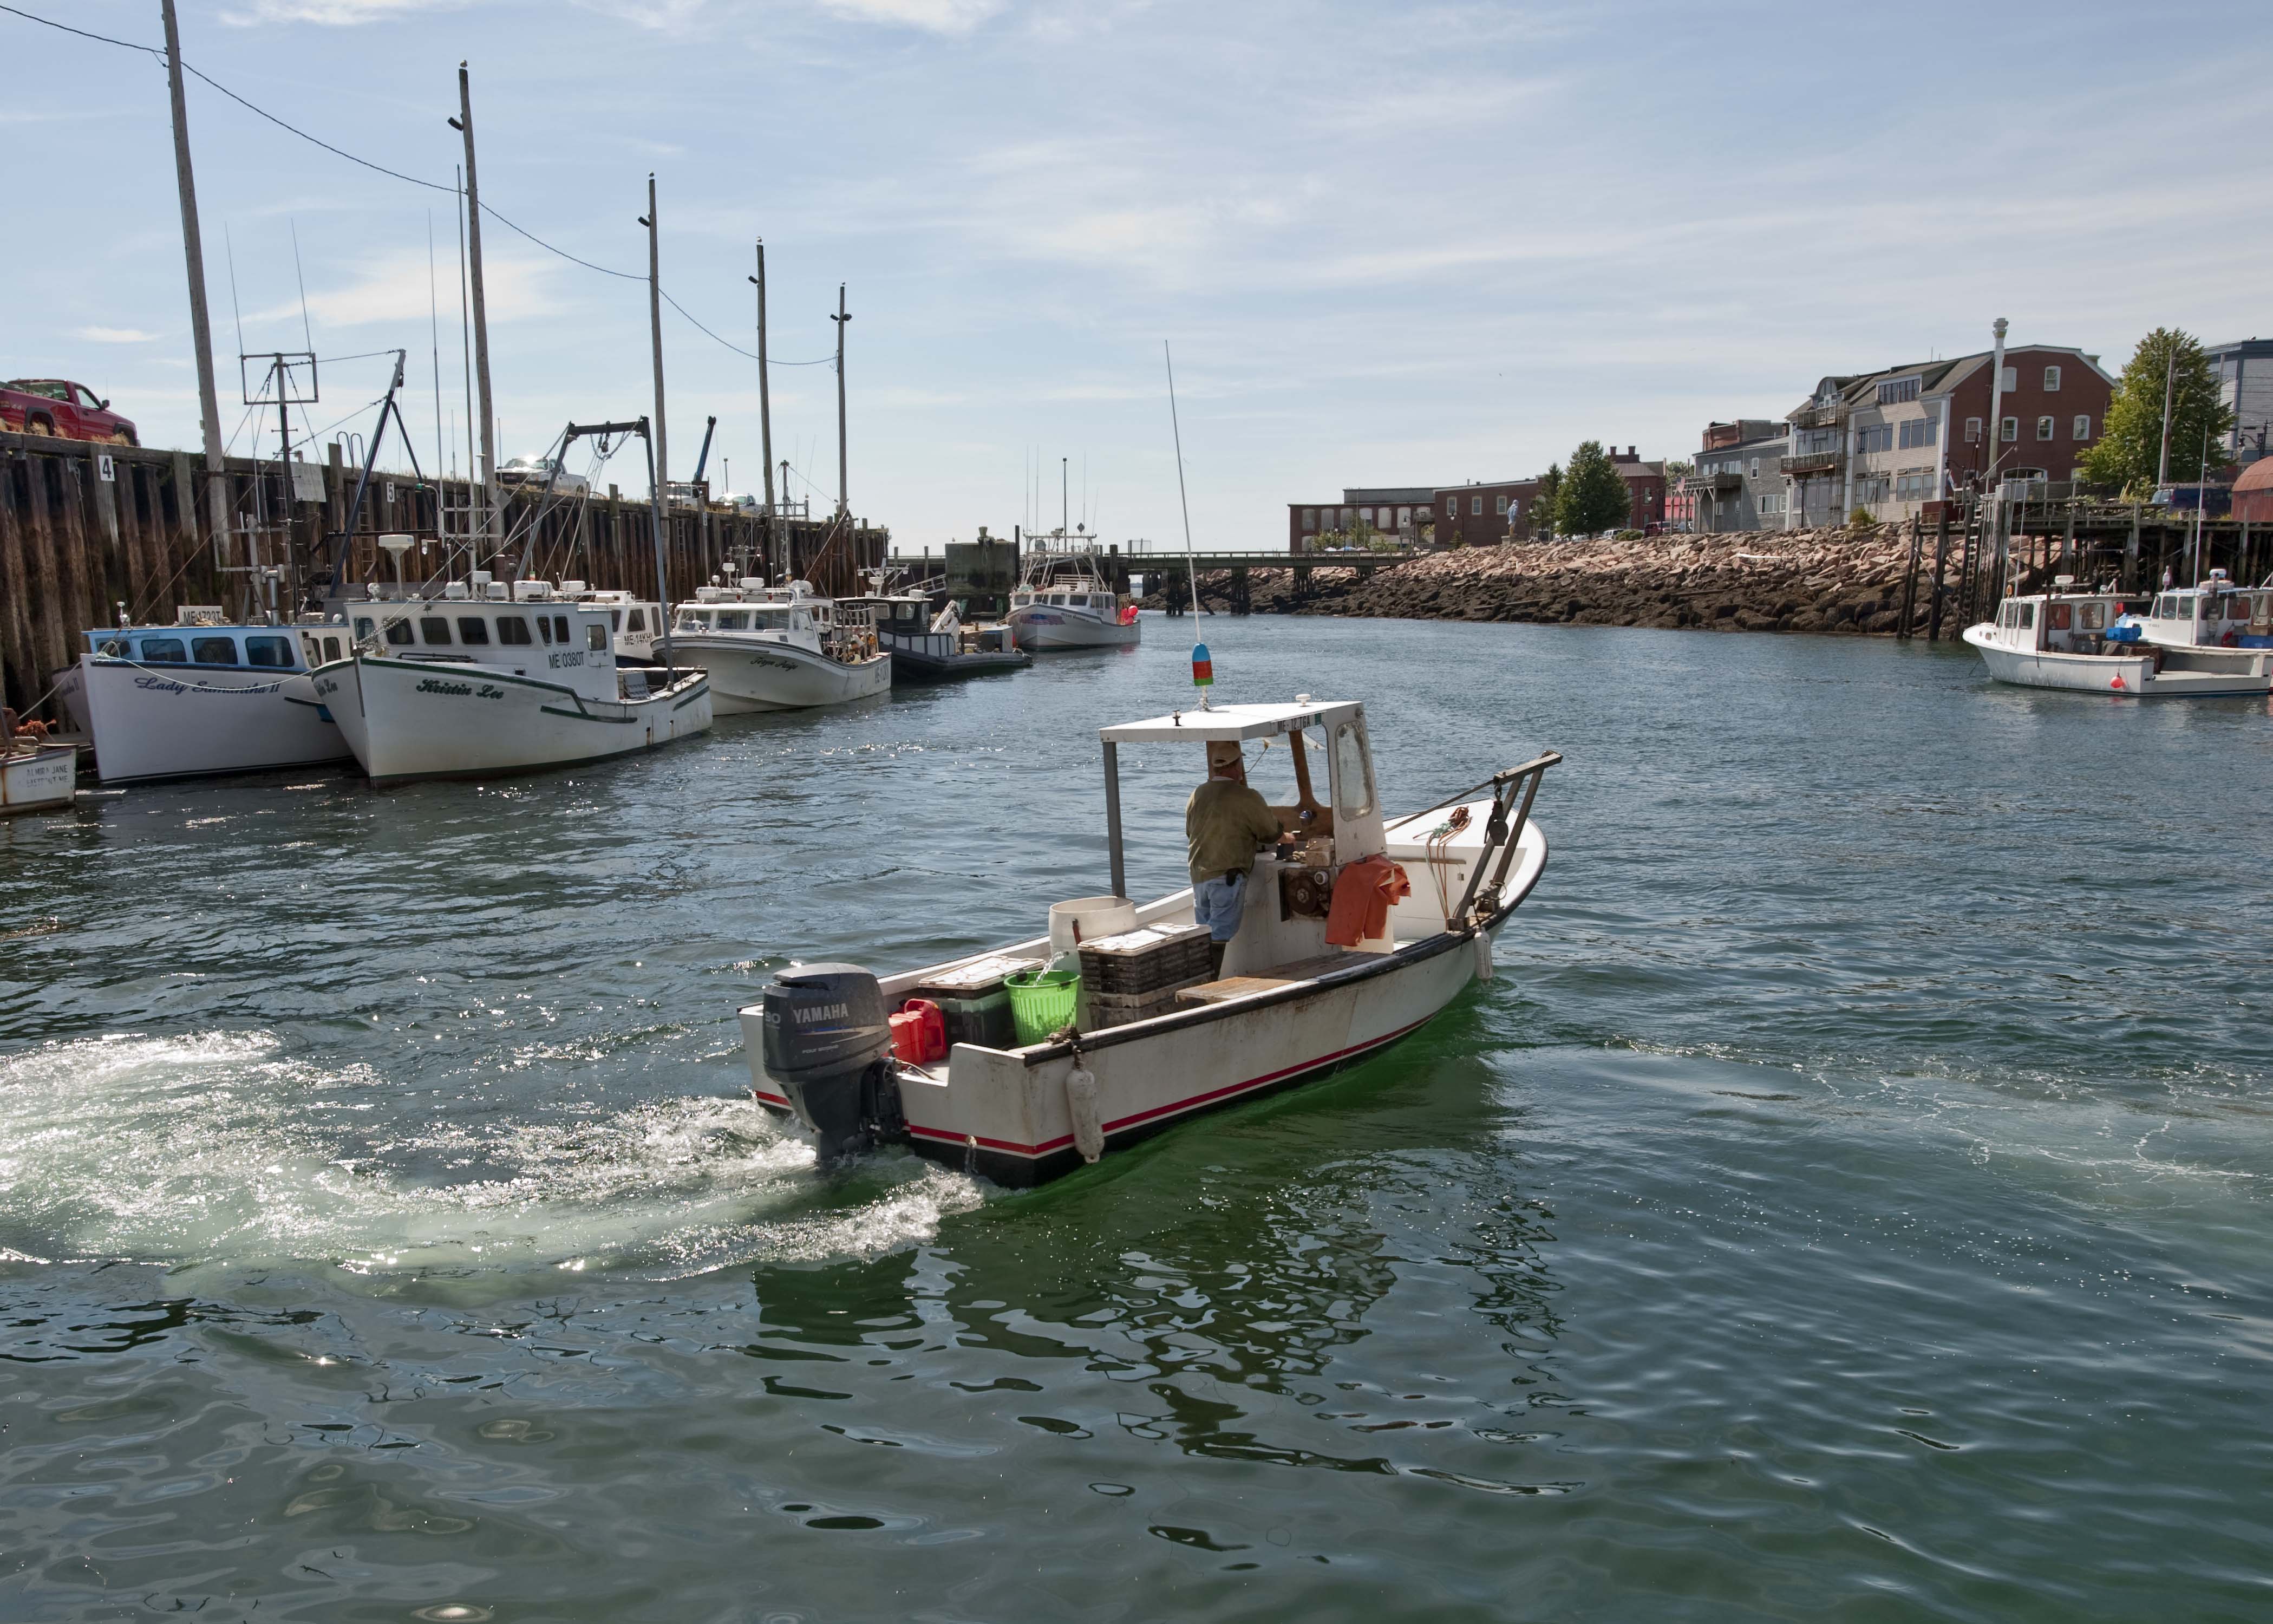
(829, 1044)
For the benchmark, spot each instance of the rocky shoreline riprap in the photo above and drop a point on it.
(1837, 581)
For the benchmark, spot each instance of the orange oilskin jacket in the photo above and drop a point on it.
(1363, 892)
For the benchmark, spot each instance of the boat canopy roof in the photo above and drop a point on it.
(1231, 721)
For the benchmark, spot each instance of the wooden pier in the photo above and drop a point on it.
(88, 527)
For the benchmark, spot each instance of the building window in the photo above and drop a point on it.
(1972, 431)
(1423, 513)
(1499, 504)
(2082, 428)
(1405, 516)
(2009, 429)
(1916, 432)
(1349, 517)
(1310, 518)
(1756, 468)
(2009, 379)
(2043, 428)
(1897, 390)
(1878, 437)
(2052, 380)
(1476, 507)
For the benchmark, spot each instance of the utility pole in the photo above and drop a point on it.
(464, 124)
(841, 318)
(193, 249)
(1064, 513)
(765, 404)
(654, 329)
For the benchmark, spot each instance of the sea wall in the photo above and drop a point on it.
(1836, 581)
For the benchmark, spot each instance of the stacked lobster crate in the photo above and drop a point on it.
(1137, 974)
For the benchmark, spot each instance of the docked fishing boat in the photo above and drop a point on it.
(470, 683)
(2213, 616)
(201, 697)
(1065, 602)
(2084, 642)
(932, 648)
(633, 623)
(779, 648)
(36, 776)
(1357, 932)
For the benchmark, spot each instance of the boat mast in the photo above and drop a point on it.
(465, 124)
(1191, 564)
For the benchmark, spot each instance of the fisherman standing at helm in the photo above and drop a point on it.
(1225, 824)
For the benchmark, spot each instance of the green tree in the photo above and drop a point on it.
(1543, 504)
(2129, 450)
(1592, 496)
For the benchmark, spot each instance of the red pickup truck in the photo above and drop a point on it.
(58, 406)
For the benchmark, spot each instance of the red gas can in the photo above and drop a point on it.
(919, 1032)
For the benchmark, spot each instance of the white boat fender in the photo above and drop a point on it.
(1081, 1105)
(1483, 955)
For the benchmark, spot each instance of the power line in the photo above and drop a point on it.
(381, 169)
(50, 22)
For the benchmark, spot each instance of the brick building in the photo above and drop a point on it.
(1394, 510)
(1892, 439)
(1484, 515)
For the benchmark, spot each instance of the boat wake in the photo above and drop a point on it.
(218, 1148)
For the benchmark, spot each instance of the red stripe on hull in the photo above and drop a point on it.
(1191, 1103)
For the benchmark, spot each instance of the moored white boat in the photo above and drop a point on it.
(1286, 1006)
(200, 698)
(1064, 602)
(465, 686)
(2076, 641)
(931, 647)
(778, 648)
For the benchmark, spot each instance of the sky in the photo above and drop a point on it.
(1390, 245)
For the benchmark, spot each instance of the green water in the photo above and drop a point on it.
(1850, 1201)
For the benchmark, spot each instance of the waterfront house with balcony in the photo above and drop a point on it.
(1738, 484)
(1891, 440)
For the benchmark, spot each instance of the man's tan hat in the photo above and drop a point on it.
(1224, 753)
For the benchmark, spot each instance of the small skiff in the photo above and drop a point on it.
(1285, 1007)
(36, 777)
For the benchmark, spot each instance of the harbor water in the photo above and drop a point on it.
(1851, 1198)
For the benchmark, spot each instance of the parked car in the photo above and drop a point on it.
(534, 472)
(60, 407)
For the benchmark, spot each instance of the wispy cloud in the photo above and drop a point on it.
(933, 16)
(394, 290)
(114, 335)
(332, 13)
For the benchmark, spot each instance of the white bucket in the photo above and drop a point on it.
(1085, 919)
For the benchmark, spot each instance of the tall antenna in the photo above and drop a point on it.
(434, 336)
(1203, 668)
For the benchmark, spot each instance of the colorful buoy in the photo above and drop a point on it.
(1203, 667)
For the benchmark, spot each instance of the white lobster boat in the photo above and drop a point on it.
(1065, 603)
(1286, 1008)
(459, 685)
(201, 697)
(2076, 641)
(779, 648)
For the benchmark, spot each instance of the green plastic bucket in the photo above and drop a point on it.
(1042, 1001)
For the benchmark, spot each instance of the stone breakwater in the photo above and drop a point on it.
(1836, 581)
